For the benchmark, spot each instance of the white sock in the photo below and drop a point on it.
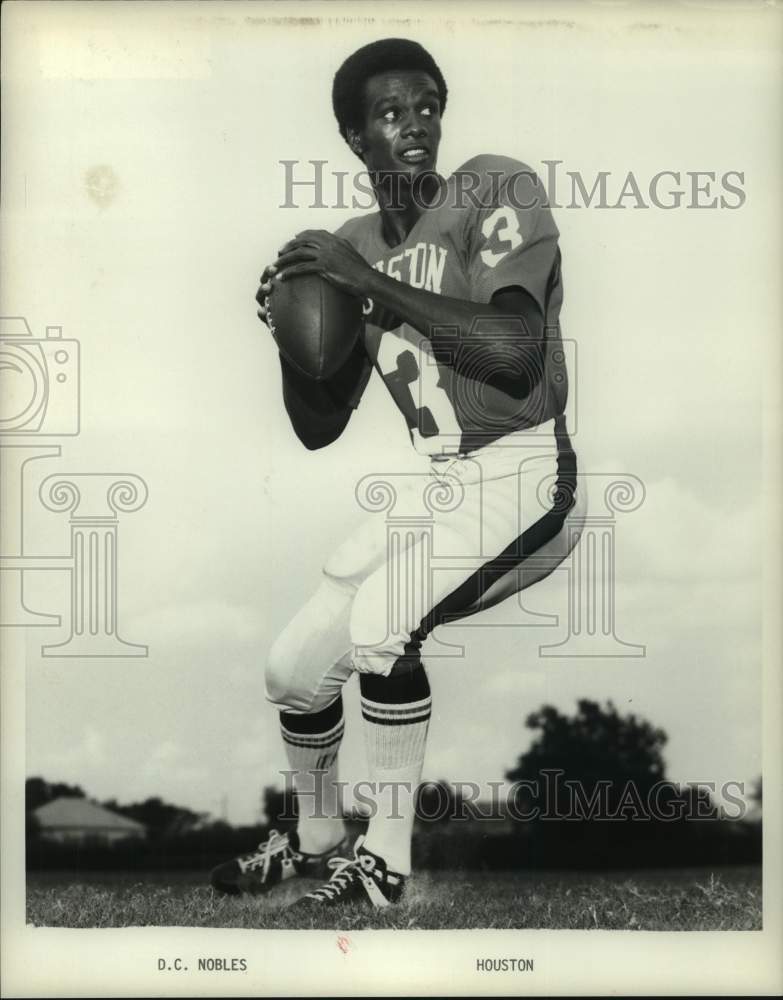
(312, 743)
(396, 712)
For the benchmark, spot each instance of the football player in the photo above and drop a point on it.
(461, 285)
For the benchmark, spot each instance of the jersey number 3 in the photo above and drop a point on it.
(502, 227)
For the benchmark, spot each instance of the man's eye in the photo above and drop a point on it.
(390, 115)
(429, 110)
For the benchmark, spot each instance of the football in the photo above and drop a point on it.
(315, 325)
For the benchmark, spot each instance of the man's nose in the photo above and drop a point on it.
(414, 126)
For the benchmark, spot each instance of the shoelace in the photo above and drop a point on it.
(276, 844)
(344, 872)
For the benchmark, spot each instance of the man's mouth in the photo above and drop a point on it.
(415, 154)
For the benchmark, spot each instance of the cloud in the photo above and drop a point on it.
(676, 536)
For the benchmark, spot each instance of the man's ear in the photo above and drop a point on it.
(355, 141)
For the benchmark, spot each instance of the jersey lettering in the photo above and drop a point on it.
(421, 266)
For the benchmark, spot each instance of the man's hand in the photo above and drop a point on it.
(315, 251)
(263, 290)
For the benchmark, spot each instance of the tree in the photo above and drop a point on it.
(436, 803)
(36, 793)
(595, 756)
(595, 745)
(60, 790)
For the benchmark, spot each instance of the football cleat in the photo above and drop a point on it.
(363, 879)
(276, 860)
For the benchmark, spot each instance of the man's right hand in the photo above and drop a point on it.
(263, 290)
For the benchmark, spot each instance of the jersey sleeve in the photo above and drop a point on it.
(510, 235)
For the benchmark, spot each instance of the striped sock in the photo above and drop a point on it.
(396, 712)
(312, 743)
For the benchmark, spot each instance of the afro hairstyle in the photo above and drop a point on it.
(382, 56)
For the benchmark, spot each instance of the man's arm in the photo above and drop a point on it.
(320, 411)
(500, 342)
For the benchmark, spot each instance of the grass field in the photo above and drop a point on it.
(689, 900)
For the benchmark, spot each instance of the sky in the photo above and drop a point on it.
(142, 197)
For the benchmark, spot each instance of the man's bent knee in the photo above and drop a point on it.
(296, 682)
(290, 697)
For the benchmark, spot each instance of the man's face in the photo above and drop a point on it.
(401, 131)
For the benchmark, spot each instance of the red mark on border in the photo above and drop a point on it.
(343, 943)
